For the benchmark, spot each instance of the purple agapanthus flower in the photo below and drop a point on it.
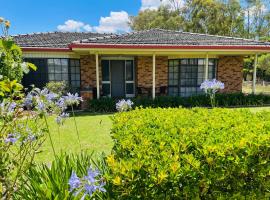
(124, 105)
(60, 118)
(212, 85)
(28, 101)
(12, 138)
(40, 105)
(74, 181)
(11, 107)
(61, 104)
(91, 175)
(72, 99)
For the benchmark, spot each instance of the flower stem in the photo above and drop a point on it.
(73, 114)
(50, 136)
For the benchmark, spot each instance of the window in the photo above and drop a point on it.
(106, 80)
(186, 76)
(129, 68)
(58, 70)
(75, 74)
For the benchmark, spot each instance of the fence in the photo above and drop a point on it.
(262, 87)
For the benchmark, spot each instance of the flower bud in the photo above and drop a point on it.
(7, 24)
(1, 20)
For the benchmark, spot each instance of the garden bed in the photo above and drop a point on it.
(222, 100)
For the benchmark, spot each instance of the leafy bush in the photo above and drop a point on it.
(58, 87)
(45, 181)
(222, 100)
(190, 154)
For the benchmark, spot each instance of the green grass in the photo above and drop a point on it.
(94, 133)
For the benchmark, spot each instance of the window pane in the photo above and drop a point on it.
(57, 62)
(77, 77)
(57, 69)
(106, 89)
(50, 69)
(57, 77)
(78, 70)
(51, 77)
(72, 63)
(73, 70)
(129, 70)
(64, 69)
(64, 62)
(105, 70)
(130, 88)
(65, 77)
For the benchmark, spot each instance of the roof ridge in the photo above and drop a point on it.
(51, 32)
(205, 34)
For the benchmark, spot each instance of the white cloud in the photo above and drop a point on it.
(72, 25)
(154, 4)
(150, 4)
(116, 22)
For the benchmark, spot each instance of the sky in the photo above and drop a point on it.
(103, 16)
(28, 16)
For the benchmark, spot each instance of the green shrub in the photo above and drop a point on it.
(223, 100)
(190, 154)
(58, 87)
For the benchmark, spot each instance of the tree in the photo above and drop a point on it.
(199, 16)
(214, 17)
(164, 18)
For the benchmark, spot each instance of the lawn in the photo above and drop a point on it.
(93, 131)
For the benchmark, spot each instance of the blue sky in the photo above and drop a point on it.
(28, 16)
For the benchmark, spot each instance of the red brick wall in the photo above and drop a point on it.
(145, 69)
(230, 72)
(88, 71)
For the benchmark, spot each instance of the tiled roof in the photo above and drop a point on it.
(52, 39)
(169, 37)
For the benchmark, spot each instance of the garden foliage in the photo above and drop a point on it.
(44, 181)
(190, 154)
(221, 100)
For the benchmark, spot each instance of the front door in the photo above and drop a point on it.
(117, 78)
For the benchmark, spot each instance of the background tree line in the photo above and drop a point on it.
(235, 18)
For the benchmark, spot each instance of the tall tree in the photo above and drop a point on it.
(164, 18)
(214, 17)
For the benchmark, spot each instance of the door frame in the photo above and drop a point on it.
(123, 58)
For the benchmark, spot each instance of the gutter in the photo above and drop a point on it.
(142, 46)
(46, 49)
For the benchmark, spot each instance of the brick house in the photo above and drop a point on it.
(145, 63)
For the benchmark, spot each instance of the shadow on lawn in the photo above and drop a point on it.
(80, 113)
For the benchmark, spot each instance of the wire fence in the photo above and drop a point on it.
(262, 87)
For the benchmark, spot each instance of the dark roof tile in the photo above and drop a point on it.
(169, 37)
(52, 39)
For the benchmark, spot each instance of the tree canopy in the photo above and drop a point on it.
(249, 18)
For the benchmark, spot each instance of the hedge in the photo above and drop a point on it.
(223, 100)
(190, 154)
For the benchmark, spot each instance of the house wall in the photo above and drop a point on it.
(230, 72)
(145, 69)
